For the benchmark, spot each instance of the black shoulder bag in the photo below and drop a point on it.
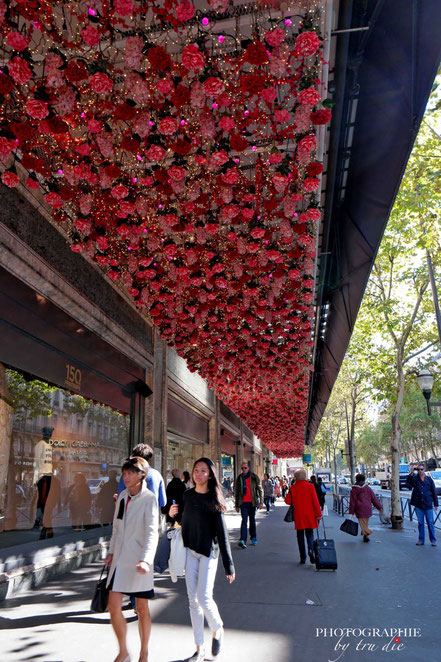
(289, 517)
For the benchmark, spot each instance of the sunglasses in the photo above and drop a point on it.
(244, 468)
(421, 469)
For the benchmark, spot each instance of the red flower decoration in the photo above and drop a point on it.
(256, 54)
(159, 59)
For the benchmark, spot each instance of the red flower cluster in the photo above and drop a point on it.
(162, 179)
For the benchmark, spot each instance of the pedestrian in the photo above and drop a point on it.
(360, 503)
(284, 486)
(175, 493)
(186, 480)
(319, 491)
(268, 491)
(277, 489)
(131, 553)
(154, 479)
(104, 501)
(205, 535)
(425, 500)
(248, 497)
(79, 499)
(303, 498)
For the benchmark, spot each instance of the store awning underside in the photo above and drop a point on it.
(382, 80)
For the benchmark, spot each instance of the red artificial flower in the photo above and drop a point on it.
(306, 44)
(32, 183)
(124, 112)
(17, 41)
(192, 58)
(274, 37)
(252, 83)
(130, 144)
(112, 171)
(37, 109)
(155, 153)
(256, 54)
(22, 131)
(185, 11)
(54, 200)
(181, 147)
(159, 59)
(180, 96)
(57, 125)
(6, 84)
(168, 126)
(101, 83)
(311, 184)
(309, 97)
(10, 179)
(19, 70)
(123, 7)
(238, 142)
(76, 71)
(321, 116)
(90, 35)
(314, 168)
(213, 86)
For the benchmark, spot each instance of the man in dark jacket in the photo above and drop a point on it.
(424, 499)
(248, 497)
(175, 494)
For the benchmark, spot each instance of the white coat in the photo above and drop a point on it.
(134, 539)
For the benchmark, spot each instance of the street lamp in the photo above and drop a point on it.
(425, 381)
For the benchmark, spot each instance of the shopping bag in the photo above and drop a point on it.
(349, 526)
(289, 517)
(101, 595)
(325, 510)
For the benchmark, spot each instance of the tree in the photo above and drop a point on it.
(28, 398)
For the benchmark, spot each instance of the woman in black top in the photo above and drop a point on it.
(205, 534)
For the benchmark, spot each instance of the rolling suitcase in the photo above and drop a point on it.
(324, 551)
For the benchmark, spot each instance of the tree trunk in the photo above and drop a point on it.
(396, 511)
(351, 448)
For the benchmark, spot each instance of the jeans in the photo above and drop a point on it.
(267, 500)
(428, 515)
(301, 542)
(200, 573)
(247, 510)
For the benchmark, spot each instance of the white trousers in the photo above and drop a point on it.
(200, 573)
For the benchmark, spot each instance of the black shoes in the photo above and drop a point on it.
(302, 561)
(216, 644)
(365, 538)
(311, 557)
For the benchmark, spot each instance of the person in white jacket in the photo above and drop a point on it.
(131, 554)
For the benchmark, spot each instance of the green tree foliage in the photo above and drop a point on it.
(28, 398)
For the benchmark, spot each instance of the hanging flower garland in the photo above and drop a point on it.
(181, 158)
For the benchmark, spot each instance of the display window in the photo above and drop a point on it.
(60, 459)
(182, 454)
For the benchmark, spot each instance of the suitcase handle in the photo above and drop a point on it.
(324, 529)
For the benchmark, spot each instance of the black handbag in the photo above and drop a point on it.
(349, 526)
(101, 595)
(289, 517)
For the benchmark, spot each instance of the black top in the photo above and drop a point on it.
(175, 491)
(202, 528)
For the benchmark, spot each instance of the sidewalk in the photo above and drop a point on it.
(276, 610)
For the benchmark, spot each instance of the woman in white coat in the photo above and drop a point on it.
(131, 554)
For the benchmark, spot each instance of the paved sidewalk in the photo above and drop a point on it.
(276, 610)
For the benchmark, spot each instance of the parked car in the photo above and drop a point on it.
(343, 481)
(436, 475)
(373, 481)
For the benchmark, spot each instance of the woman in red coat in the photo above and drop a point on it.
(302, 496)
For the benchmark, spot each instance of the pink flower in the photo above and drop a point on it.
(90, 35)
(141, 125)
(133, 52)
(274, 37)
(302, 118)
(226, 123)
(269, 94)
(311, 184)
(83, 226)
(314, 214)
(219, 6)
(307, 144)
(10, 179)
(306, 44)
(168, 126)
(280, 182)
(309, 97)
(207, 126)
(137, 88)
(213, 86)
(184, 11)
(155, 153)
(37, 109)
(197, 95)
(123, 7)
(192, 58)
(231, 176)
(32, 183)
(19, 70)
(119, 192)
(6, 147)
(276, 158)
(282, 116)
(102, 243)
(218, 159)
(94, 126)
(176, 173)
(83, 149)
(105, 144)
(101, 83)
(65, 103)
(17, 41)
(164, 85)
(54, 200)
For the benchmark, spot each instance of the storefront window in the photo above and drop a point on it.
(182, 455)
(227, 474)
(60, 460)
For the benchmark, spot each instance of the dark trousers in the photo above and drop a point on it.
(247, 510)
(267, 500)
(301, 542)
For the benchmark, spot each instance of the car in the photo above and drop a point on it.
(373, 481)
(436, 476)
(343, 481)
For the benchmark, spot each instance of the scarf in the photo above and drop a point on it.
(244, 481)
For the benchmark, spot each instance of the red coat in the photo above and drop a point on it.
(303, 497)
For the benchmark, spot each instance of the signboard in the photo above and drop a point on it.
(104, 465)
(226, 460)
(306, 458)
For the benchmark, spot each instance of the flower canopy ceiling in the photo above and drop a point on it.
(177, 146)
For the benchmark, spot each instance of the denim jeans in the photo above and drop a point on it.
(200, 573)
(267, 500)
(428, 516)
(301, 542)
(247, 510)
